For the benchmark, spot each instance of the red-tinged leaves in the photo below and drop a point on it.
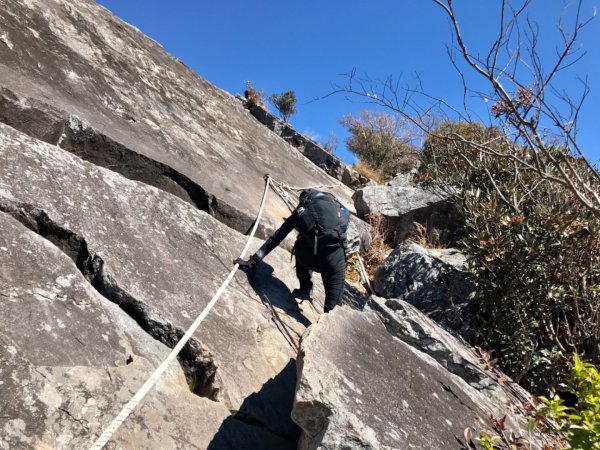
(498, 424)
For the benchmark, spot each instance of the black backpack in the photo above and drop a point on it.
(323, 221)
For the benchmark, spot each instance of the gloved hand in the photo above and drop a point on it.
(248, 265)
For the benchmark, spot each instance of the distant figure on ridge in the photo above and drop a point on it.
(321, 245)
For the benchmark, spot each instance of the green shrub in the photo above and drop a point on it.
(584, 420)
(382, 141)
(552, 423)
(581, 422)
(440, 157)
(534, 252)
(285, 104)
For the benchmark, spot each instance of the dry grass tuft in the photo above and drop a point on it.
(374, 256)
(370, 172)
(379, 249)
(425, 238)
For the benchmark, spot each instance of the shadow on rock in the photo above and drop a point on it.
(353, 298)
(274, 293)
(264, 419)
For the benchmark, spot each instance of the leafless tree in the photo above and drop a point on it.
(539, 118)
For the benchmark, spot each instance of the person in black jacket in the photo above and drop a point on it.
(320, 246)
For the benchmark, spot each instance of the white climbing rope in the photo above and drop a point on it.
(141, 393)
(318, 186)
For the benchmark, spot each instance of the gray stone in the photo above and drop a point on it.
(410, 325)
(77, 77)
(360, 388)
(422, 278)
(70, 359)
(403, 179)
(403, 203)
(310, 149)
(162, 260)
(358, 235)
(407, 323)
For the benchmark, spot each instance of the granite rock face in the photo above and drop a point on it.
(431, 280)
(361, 388)
(407, 323)
(76, 76)
(410, 325)
(69, 360)
(403, 203)
(161, 260)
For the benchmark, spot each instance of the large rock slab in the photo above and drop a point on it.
(69, 360)
(431, 280)
(410, 325)
(361, 388)
(75, 76)
(404, 203)
(162, 260)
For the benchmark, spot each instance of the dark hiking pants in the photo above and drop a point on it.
(331, 264)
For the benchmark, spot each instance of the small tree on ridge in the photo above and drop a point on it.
(285, 104)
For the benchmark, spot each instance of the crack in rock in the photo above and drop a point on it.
(71, 134)
(82, 422)
(197, 362)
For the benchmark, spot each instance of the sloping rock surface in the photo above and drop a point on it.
(69, 360)
(432, 281)
(314, 152)
(403, 203)
(75, 76)
(410, 325)
(160, 259)
(361, 388)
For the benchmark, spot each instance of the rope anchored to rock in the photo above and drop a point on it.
(149, 384)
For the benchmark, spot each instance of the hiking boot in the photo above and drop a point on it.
(302, 294)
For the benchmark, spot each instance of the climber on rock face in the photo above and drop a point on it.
(321, 245)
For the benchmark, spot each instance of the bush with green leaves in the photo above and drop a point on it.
(534, 252)
(285, 104)
(551, 423)
(383, 141)
(447, 151)
(581, 422)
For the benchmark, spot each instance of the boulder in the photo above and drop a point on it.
(403, 179)
(410, 325)
(431, 280)
(361, 388)
(358, 235)
(77, 77)
(403, 203)
(70, 359)
(161, 260)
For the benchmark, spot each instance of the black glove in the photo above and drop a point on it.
(248, 265)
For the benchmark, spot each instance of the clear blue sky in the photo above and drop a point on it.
(305, 46)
